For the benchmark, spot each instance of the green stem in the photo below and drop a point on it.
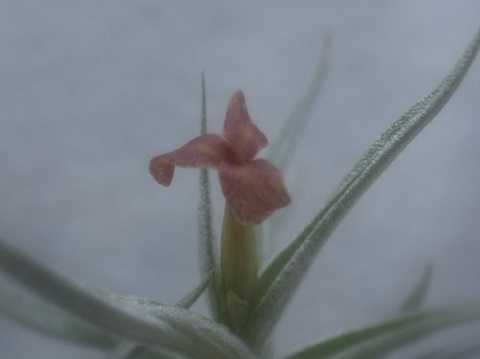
(239, 265)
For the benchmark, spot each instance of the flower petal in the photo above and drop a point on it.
(254, 190)
(240, 131)
(203, 151)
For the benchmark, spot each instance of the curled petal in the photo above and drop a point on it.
(253, 190)
(240, 131)
(202, 151)
(162, 169)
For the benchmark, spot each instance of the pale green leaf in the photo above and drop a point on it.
(283, 146)
(343, 342)
(131, 351)
(415, 299)
(377, 340)
(417, 296)
(140, 321)
(284, 274)
(471, 352)
(32, 313)
(125, 351)
(385, 345)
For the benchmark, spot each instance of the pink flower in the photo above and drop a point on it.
(253, 188)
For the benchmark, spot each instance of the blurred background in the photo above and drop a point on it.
(91, 90)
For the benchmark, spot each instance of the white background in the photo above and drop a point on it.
(90, 90)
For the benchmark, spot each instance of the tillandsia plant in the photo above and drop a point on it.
(247, 295)
(253, 189)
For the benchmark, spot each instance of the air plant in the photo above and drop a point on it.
(247, 296)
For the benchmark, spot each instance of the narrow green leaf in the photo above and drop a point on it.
(376, 340)
(383, 346)
(46, 319)
(131, 351)
(349, 340)
(125, 351)
(207, 241)
(136, 320)
(416, 298)
(284, 274)
(283, 146)
(467, 353)
(189, 299)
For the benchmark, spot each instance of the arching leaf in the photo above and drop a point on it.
(143, 322)
(282, 277)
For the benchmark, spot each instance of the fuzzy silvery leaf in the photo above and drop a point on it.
(128, 350)
(282, 277)
(207, 239)
(377, 340)
(206, 337)
(33, 313)
(143, 322)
